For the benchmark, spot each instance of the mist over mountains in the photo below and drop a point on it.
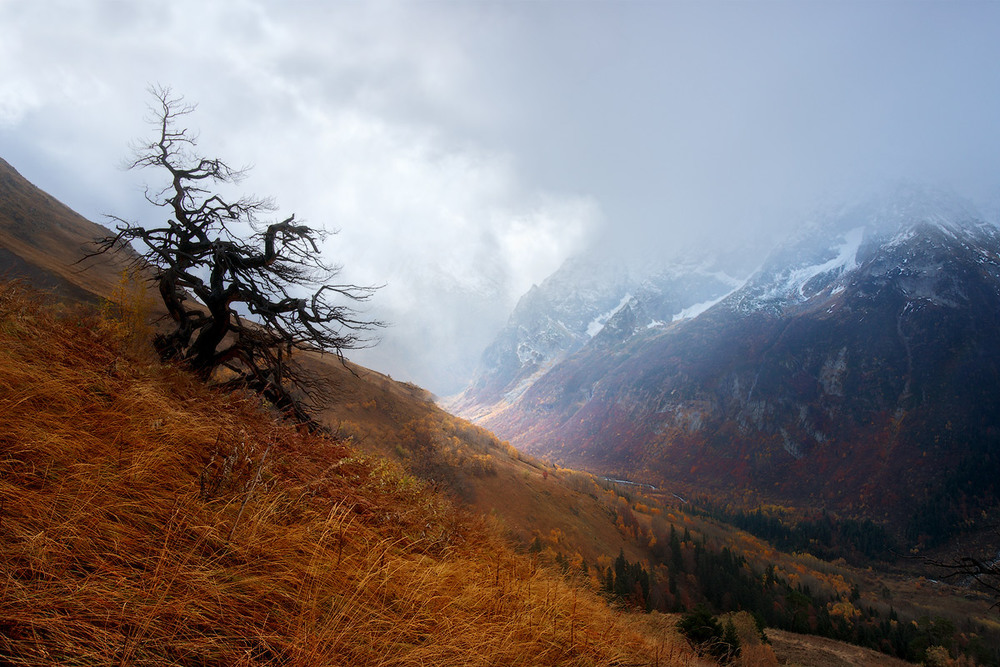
(857, 368)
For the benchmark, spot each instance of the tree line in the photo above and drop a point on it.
(724, 581)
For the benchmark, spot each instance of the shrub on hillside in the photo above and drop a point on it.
(708, 636)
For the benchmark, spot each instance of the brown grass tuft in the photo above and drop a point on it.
(148, 520)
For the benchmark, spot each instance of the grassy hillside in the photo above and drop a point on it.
(145, 519)
(401, 422)
(42, 240)
(580, 523)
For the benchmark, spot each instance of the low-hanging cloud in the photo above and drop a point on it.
(464, 150)
(346, 114)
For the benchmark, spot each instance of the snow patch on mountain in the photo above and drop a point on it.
(598, 322)
(515, 393)
(845, 260)
(592, 299)
(697, 309)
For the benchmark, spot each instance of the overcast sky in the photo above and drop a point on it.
(465, 149)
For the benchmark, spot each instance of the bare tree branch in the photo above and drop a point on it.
(966, 569)
(243, 302)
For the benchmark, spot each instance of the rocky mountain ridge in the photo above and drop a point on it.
(590, 299)
(857, 369)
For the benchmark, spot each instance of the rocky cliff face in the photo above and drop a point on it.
(859, 369)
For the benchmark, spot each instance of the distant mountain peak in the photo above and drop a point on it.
(592, 299)
(857, 368)
(816, 260)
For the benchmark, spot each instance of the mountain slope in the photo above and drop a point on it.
(859, 368)
(397, 599)
(590, 298)
(43, 242)
(148, 520)
(376, 414)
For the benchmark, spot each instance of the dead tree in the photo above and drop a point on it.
(240, 292)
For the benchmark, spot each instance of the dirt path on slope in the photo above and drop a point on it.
(811, 651)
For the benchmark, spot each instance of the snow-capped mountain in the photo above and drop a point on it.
(821, 260)
(590, 299)
(858, 368)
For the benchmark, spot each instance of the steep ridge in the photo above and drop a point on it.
(44, 242)
(859, 368)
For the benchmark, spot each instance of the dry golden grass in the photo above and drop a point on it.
(389, 418)
(811, 651)
(147, 520)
